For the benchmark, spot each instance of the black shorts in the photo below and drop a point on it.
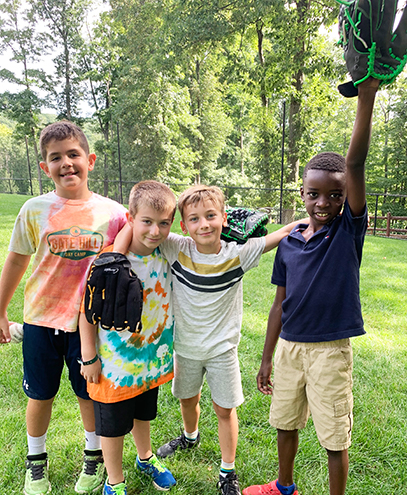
(117, 419)
(44, 354)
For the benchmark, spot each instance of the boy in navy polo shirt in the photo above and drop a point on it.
(317, 309)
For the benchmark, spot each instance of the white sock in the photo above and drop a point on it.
(226, 467)
(191, 436)
(92, 441)
(36, 445)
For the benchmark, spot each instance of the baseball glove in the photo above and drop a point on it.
(243, 224)
(114, 294)
(372, 47)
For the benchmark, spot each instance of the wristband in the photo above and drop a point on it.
(87, 363)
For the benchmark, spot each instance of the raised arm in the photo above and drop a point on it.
(13, 271)
(359, 146)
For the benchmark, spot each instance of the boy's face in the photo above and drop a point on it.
(68, 165)
(150, 229)
(323, 194)
(203, 221)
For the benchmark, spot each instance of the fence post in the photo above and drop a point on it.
(375, 214)
(388, 224)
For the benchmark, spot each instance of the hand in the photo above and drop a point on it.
(264, 383)
(4, 331)
(91, 372)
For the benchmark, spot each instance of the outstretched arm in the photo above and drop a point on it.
(264, 383)
(273, 239)
(359, 146)
(13, 271)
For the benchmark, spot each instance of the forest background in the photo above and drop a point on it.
(238, 93)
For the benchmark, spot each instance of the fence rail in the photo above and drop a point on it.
(387, 212)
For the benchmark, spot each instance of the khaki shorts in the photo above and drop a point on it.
(222, 374)
(314, 378)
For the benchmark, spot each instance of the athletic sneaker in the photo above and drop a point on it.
(36, 476)
(93, 469)
(161, 476)
(180, 442)
(119, 489)
(229, 485)
(269, 489)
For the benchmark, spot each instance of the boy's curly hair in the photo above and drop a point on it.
(200, 192)
(64, 129)
(328, 161)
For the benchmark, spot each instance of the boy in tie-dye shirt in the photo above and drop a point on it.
(124, 381)
(64, 230)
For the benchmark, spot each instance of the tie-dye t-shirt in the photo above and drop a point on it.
(65, 236)
(133, 363)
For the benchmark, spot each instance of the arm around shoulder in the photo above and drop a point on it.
(273, 239)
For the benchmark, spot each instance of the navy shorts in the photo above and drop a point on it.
(44, 356)
(117, 419)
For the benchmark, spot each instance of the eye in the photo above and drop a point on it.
(165, 224)
(147, 222)
(55, 158)
(211, 215)
(336, 195)
(193, 219)
(312, 195)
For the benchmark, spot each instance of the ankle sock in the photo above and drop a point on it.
(286, 490)
(92, 441)
(226, 468)
(191, 437)
(36, 445)
(147, 459)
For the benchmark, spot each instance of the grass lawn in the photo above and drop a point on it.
(379, 450)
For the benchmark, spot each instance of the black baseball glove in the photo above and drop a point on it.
(114, 294)
(243, 224)
(372, 47)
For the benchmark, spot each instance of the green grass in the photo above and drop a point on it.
(379, 450)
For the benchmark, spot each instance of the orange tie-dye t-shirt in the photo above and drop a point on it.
(65, 236)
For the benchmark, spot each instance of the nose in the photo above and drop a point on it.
(203, 223)
(322, 201)
(154, 230)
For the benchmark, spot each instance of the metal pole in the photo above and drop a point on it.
(282, 166)
(29, 167)
(120, 164)
(375, 214)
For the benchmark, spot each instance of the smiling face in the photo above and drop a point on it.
(67, 164)
(204, 221)
(150, 229)
(323, 193)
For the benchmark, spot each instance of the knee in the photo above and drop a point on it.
(223, 413)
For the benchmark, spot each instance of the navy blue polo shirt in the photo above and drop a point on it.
(321, 277)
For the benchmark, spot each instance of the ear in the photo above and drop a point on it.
(91, 161)
(183, 228)
(130, 219)
(225, 219)
(45, 168)
(302, 193)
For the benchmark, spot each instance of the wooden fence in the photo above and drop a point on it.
(389, 229)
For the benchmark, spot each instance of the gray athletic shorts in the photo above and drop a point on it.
(222, 374)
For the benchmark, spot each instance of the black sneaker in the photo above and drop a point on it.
(180, 442)
(229, 485)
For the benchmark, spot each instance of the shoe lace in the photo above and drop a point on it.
(90, 465)
(181, 440)
(152, 465)
(37, 471)
(229, 485)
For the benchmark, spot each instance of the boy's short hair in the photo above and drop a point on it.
(64, 129)
(154, 194)
(328, 161)
(200, 192)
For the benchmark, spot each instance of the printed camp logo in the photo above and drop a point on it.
(75, 243)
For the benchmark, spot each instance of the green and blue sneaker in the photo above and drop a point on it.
(161, 476)
(119, 489)
(36, 476)
(91, 477)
